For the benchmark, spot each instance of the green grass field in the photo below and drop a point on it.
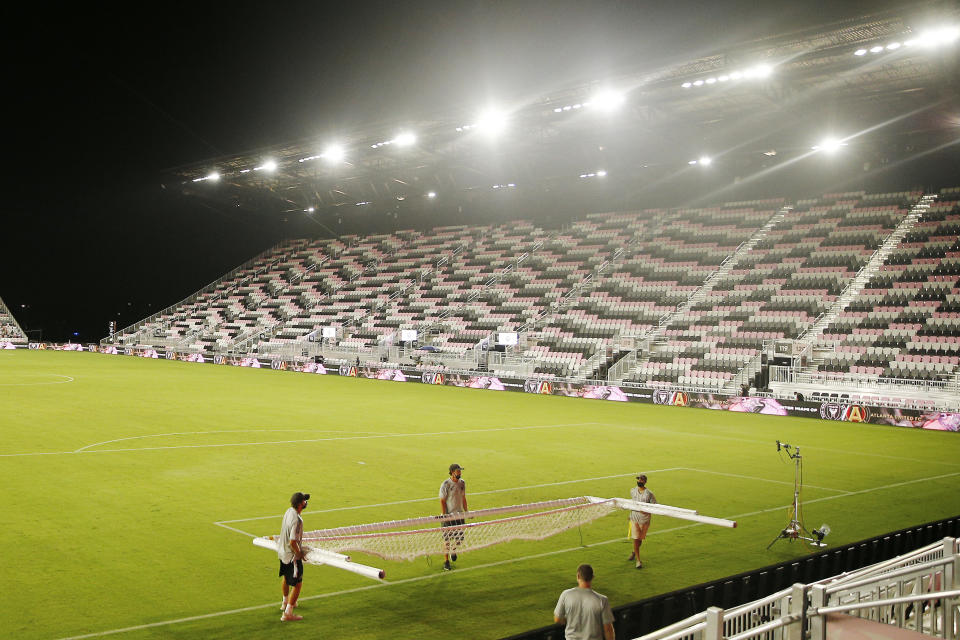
(131, 489)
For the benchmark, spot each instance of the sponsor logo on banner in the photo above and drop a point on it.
(544, 387)
(432, 377)
(844, 412)
(218, 359)
(348, 370)
(170, 355)
(278, 365)
(675, 398)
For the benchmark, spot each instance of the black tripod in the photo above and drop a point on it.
(795, 529)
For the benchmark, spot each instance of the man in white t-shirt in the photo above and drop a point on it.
(586, 613)
(453, 499)
(640, 521)
(291, 555)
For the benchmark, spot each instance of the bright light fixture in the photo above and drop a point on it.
(213, 176)
(269, 165)
(334, 153)
(711, 80)
(893, 46)
(601, 173)
(704, 161)
(431, 194)
(876, 49)
(492, 121)
(405, 139)
(860, 52)
(692, 162)
(829, 145)
(607, 100)
(687, 85)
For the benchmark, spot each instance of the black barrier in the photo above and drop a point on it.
(642, 617)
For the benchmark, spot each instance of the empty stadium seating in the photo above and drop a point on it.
(701, 290)
(10, 331)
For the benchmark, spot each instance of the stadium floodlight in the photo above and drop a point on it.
(601, 173)
(309, 210)
(711, 80)
(893, 46)
(404, 139)
(607, 100)
(876, 49)
(736, 75)
(698, 83)
(431, 194)
(268, 166)
(492, 121)
(692, 162)
(214, 176)
(334, 153)
(723, 78)
(830, 145)
(704, 161)
(860, 52)
(687, 85)
(940, 36)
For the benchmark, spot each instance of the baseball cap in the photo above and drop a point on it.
(298, 497)
(454, 467)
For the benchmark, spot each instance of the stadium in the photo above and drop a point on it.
(580, 282)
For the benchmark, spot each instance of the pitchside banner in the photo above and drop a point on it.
(839, 411)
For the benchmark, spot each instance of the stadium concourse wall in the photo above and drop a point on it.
(599, 390)
(638, 618)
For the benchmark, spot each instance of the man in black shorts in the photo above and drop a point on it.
(453, 499)
(291, 555)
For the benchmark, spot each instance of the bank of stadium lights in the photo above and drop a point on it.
(491, 122)
(332, 154)
(509, 185)
(829, 145)
(431, 194)
(214, 176)
(404, 139)
(703, 161)
(929, 39)
(757, 72)
(269, 166)
(596, 174)
(309, 210)
(605, 101)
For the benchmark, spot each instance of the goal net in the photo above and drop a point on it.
(468, 531)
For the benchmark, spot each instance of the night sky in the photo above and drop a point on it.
(104, 100)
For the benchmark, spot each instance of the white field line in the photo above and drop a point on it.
(196, 433)
(253, 444)
(472, 493)
(34, 384)
(766, 442)
(459, 571)
(737, 475)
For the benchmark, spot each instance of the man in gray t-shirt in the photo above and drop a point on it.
(453, 499)
(585, 612)
(291, 555)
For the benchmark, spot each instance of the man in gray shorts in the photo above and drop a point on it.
(585, 612)
(453, 499)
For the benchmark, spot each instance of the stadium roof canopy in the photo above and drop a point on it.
(865, 81)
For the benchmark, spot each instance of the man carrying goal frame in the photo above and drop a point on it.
(453, 499)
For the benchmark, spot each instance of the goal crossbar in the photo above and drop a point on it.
(467, 531)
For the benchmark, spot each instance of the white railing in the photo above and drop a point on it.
(858, 382)
(893, 592)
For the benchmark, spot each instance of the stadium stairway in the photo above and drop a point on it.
(618, 373)
(868, 271)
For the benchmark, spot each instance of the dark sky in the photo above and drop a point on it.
(106, 98)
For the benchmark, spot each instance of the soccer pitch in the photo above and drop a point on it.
(131, 489)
